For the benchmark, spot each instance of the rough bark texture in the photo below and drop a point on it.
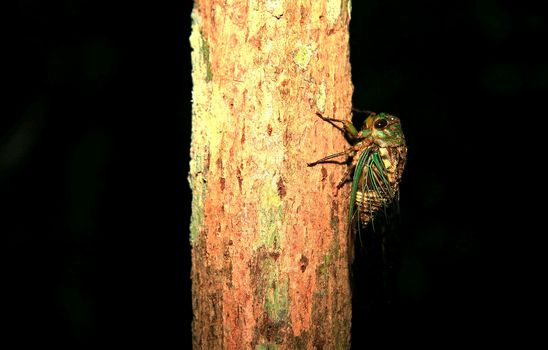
(268, 233)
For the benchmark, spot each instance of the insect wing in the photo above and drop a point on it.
(355, 183)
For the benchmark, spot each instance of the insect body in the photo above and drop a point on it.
(376, 159)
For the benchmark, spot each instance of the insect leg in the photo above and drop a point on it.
(347, 128)
(324, 159)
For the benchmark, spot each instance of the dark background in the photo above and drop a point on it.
(94, 144)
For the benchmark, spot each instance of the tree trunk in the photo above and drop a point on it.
(269, 234)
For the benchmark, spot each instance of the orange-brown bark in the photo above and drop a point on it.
(268, 233)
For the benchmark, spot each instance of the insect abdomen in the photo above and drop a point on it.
(368, 204)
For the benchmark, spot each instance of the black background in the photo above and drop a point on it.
(94, 151)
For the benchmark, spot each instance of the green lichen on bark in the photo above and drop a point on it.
(198, 186)
(320, 98)
(205, 53)
(277, 302)
(270, 217)
(303, 55)
(337, 336)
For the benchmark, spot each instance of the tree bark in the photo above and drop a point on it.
(269, 234)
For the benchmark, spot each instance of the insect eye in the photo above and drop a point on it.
(381, 124)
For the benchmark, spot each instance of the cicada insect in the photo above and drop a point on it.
(376, 160)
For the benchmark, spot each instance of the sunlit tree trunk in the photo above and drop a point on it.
(269, 234)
